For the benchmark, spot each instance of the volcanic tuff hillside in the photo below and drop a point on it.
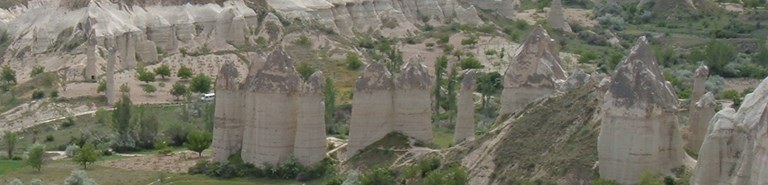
(554, 141)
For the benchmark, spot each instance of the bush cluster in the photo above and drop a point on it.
(289, 169)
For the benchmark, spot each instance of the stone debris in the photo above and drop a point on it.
(465, 113)
(535, 72)
(384, 104)
(639, 131)
(273, 113)
(735, 150)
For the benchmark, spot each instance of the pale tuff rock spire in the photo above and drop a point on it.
(228, 122)
(533, 73)
(371, 107)
(310, 128)
(465, 113)
(639, 126)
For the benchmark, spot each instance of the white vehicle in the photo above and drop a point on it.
(208, 97)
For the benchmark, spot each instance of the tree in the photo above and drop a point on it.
(440, 65)
(10, 140)
(121, 120)
(149, 89)
(489, 84)
(305, 70)
(9, 75)
(452, 87)
(200, 84)
(198, 141)
(330, 101)
(178, 90)
(353, 61)
(163, 71)
(148, 128)
(35, 157)
(184, 72)
(86, 154)
(102, 86)
(718, 54)
(145, 76)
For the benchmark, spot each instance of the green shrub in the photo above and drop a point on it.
(49, 138)
(38, 95)
(454, 175)
(378, 176)
(303, 40)
(353, 61)
(470, 63)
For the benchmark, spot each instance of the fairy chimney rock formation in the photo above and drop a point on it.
(534, 72)
(555, 17)
(110, 91)
(310, 127)
(91, 56)
(270, 108)
(412, 101)
(735, 151)
(639, 125)
(700, 115)
(718, 154)
(228, 124)
(371, 107)
(465, 113)
(699, 84)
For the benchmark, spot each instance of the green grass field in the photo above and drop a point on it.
(7, 166)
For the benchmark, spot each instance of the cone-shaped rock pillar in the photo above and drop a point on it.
(465, 105)
(412, 101)
(228, 123)
(371, 107)
(270, 121)
(639, 130)
(310, 130)
(534, 73)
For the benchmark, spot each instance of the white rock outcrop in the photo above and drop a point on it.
(465, 109)
(639, 131)
(735, 150)
(228, 123)
(533, 73)
(350, 16)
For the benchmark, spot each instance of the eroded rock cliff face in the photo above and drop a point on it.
(639, 131)
(735, 150)
(43, 29)
(533, 73)
(393, 16)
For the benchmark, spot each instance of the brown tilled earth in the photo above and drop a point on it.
(178, 162)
